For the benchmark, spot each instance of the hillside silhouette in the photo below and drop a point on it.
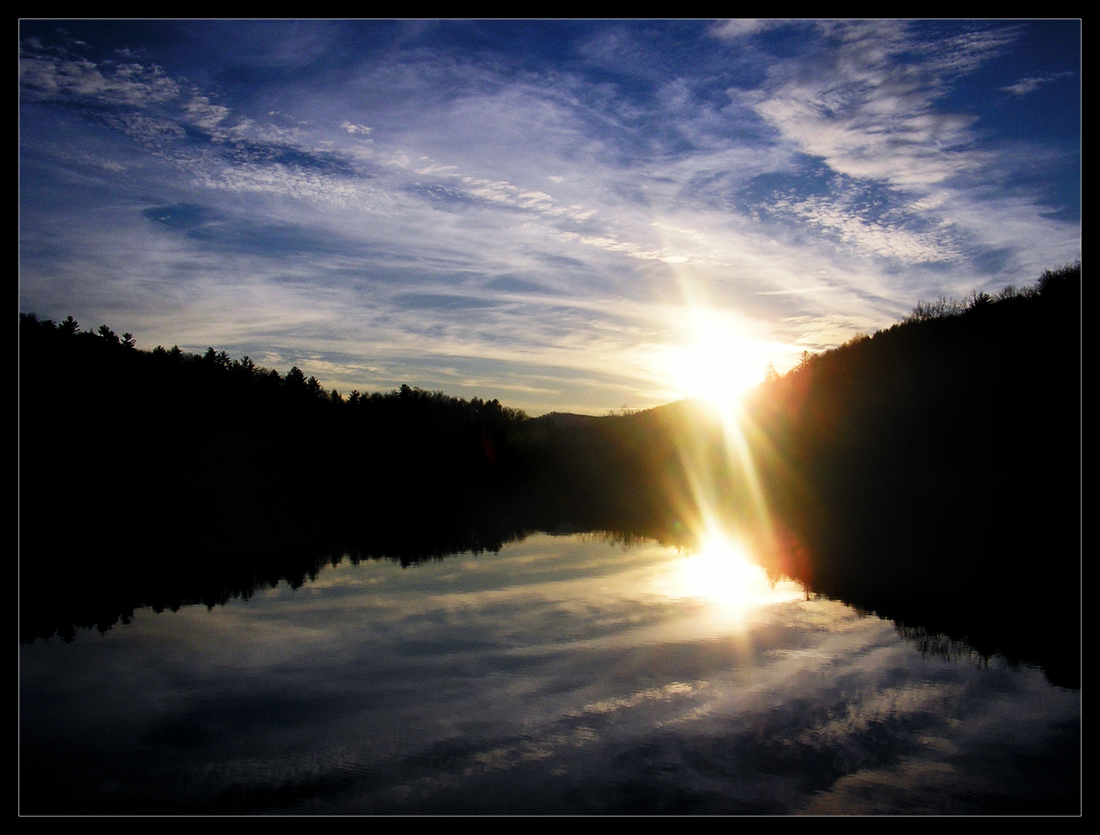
(930, 472)
(939, 462)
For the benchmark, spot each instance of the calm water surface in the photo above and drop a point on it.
(560, 675)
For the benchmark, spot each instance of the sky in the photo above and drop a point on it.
(575, 216)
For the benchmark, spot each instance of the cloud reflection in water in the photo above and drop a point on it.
(558, 676)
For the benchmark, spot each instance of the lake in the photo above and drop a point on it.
(570, 674)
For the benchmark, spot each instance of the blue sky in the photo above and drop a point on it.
(555, 214)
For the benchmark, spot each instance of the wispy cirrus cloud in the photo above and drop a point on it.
(54, 75)
(868, 105)
(1026, 86)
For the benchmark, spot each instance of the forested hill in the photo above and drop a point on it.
(940, 462)
(964, 420)
(166, 437)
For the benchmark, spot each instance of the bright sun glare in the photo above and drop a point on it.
(720, 569)
(718, 361)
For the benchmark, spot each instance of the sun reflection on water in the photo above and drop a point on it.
(722, 574)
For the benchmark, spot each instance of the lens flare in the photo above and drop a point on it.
(718, 444)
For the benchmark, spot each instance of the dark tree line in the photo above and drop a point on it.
(966, 422)
(184, 423)
(144, 475)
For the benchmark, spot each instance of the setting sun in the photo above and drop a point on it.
(718, 360)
